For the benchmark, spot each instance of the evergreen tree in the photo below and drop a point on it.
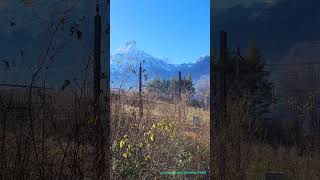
(154, 85)
(252, 82)
(172, 85)
(188, 86)
(255, 83)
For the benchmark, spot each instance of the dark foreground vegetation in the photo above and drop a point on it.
(51, 132)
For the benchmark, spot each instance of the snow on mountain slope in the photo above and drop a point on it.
(125, 66)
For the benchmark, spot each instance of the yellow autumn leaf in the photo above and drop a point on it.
(92, 120)
(152, 137)
(122, 143)
(166, 128)
(61, 19)
(147, 157)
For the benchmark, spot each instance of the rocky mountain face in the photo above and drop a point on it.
(126, 60)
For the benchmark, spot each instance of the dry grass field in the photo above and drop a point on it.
(55, 140)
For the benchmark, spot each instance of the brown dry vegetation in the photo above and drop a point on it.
(47, 134)
(60, 144)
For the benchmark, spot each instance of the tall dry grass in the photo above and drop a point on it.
(158, 141)
(61, 145)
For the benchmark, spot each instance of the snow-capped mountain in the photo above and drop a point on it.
(126, 60)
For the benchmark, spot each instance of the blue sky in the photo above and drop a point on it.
(177, 29)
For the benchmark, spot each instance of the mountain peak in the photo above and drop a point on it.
(128, 46)
(203, 58)
(131, 43)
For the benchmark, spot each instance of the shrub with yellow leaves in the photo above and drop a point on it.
(132, 158)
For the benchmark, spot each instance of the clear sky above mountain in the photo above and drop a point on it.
(176, 29)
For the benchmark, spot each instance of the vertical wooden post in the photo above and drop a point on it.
(238, 140)
(222, 102)
(180, 85)
(218, 108)
(179, 95)
(97, 68)
(238, 66)
(222, 78)
(99, 133)
(140, 91)
(107, 97)
(212, 97)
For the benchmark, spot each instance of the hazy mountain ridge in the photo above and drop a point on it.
(126, 60)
